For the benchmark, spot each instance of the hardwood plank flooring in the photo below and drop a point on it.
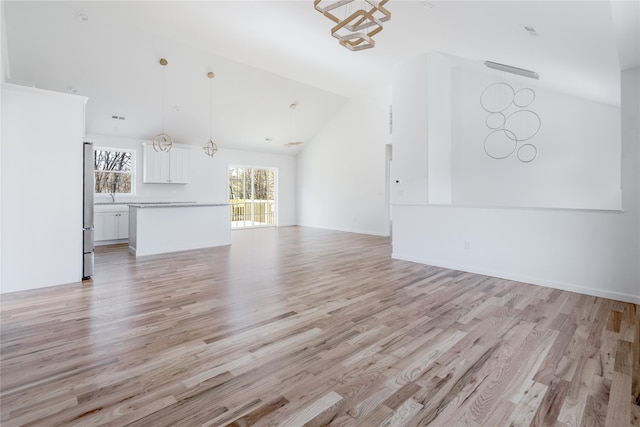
(299, 326)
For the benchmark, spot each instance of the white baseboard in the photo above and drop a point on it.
(110, 242)
(618, 296)
(347, 230)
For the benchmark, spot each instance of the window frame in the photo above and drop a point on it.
(272, 169)
(132, 151)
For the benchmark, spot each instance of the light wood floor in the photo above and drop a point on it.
(301, 326)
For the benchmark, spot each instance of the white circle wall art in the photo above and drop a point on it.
(500, 144)
(495, 121)
(524, 97)
(523, 124)
(497, 97)
(527, 153)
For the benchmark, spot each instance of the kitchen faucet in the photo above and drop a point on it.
(113, 197)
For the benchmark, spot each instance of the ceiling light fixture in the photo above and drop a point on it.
(162, 141)
(210, 148)
(293, 144)
(292, 108)
(355, 27)
(512, 70)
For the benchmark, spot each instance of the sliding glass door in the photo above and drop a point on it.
(252, 195)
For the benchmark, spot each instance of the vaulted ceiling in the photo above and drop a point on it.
(269, 54)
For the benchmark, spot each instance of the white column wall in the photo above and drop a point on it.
(42, 134)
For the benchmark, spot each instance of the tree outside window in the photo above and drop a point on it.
(252, 196)
(113, 171)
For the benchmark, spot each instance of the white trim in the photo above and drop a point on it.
(634, 299)
(110, 242)
(347, 230)
(521, 208)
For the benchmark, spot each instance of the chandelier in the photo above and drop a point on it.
(357, 21)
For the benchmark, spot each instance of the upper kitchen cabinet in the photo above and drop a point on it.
(161, 167)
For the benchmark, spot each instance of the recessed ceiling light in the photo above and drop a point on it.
(82, 16)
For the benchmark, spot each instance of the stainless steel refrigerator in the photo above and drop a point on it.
(87, 212)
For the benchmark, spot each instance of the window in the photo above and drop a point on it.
(252, 195)
(114, 170)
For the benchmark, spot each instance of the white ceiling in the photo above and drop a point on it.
(268, 54)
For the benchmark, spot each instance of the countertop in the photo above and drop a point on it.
(174, 205)
(139, 203)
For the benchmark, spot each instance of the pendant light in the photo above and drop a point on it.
(356, 22)
(162, 141)
(292, 108)
(210, 148)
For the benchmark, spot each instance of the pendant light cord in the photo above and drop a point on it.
(163, 96)
(211, 109)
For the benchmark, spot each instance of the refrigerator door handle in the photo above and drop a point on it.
(87, 210)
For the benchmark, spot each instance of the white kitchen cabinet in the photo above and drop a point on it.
(161, 167)
(122, 225)
(164, 228)
(112, 224)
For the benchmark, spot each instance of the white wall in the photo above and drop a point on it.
(341, 171)
(578, 161)
(42, 134)
(592, 252)
(4, 57)
(3, 67)
(208, 176)
(440, 109)
(578, 142)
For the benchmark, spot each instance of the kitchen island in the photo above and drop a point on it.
(172, 227)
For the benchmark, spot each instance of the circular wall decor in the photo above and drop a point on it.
(495, 121)
(527, 153)
(523, 124)
(524, 97)
(497, 97)
(499, 144)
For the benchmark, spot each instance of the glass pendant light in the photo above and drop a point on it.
(162, 141)
(210, 148)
